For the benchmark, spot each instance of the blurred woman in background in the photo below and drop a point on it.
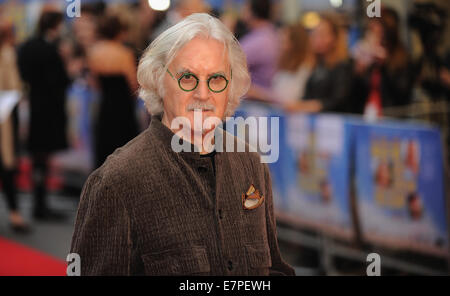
(9, 80)
(294, 66)
(328, 87)
(381, 64)
(114, 70)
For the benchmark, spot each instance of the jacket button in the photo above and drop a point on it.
(230, 265)
(220, 214)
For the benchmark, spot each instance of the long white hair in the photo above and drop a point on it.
(160, 53)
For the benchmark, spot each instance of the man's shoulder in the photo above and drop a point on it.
(127, 161)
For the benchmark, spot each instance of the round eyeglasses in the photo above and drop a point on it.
(189, 81)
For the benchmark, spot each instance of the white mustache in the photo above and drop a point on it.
(200, 106)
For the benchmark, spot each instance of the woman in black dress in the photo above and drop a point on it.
(114, 68)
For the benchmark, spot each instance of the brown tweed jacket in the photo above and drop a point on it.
(149, 210)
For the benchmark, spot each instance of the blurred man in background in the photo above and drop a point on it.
(42, 69)
(261, 46)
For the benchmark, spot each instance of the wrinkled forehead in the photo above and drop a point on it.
(202, 55)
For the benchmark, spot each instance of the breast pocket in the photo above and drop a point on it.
(254, 224)
(258, 258)
(184, 261)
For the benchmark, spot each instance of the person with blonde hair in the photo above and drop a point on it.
(9, 81)
(329, 85)
(152, 210)
(294, 65)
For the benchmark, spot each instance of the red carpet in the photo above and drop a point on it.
(18, 260)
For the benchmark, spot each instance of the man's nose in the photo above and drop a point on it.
(202, 91)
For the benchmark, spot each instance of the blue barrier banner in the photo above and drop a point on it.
(316, 172)
(400, 189)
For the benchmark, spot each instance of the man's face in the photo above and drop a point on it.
(204, 58)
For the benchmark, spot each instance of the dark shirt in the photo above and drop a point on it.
(211, 156)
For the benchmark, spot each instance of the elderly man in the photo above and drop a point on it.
(151, 210)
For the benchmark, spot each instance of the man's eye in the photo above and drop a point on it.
(188, 76)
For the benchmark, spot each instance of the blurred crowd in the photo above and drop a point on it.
(299, 67)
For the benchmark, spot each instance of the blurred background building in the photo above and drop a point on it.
(361, 88)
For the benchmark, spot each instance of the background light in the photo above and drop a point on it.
(160, 5)
(311, 19)
(336, 3)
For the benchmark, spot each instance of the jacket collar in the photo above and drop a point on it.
(164, 135)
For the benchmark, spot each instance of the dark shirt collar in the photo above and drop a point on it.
(164, 134)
